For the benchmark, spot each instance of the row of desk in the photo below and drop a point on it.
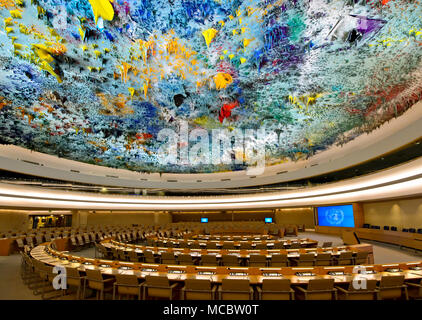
(178, 273)
(304, 243)
(223, 237)
(403, 239)
(242, 254)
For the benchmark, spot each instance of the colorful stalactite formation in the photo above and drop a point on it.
(96, 80)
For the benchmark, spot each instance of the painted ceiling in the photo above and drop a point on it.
(98, 80)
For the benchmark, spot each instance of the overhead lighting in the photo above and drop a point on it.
(402, 180)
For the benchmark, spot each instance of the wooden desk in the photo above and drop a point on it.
(305, 243)
(241, 254)
(251, 237)
(239, 231)
(404, 239)
(254, 274)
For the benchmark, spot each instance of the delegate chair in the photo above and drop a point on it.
(361, 257)
(257, 260)
(39, 240)
(209, 260)
(363, 292)
(149, 257)
(46, 276)
(317, 289)
(183, 244)
(233, 289)
(198, 289)
(159, 287)
(135, 236)
(277, 245)
(245, 245)
(75, 245)
(305, 259)
(327, 244)
(133, 256)
(28, 270)
(81, 241)
(29, 242)
(261, 246)
(290, 231)
(323, 259)
(279, 260)
(344, 259)
(20, 244)
(211, 245)
(127, 285)
(87, 240)
(95, 281)
(168, 258)
(229, 260)
(414, 290)
(195, 245)
(392, 287)
(40, 278)
(185, 259)
(275, 289)
(228, 245)
(122, 255)
(115, 253)
(74, 279)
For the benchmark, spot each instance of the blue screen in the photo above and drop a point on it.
(336, 216)
(268, 220)
(204, 220)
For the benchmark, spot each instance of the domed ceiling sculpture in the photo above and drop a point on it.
(98, 80)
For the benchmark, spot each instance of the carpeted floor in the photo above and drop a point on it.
(12, 287)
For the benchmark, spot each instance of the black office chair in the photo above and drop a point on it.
(386, 228)
(412, 230)
(419, 231)
(393, 228)
(366, 225)
(404, 230)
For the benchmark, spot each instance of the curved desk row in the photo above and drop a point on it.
(297, 275)
(231, 237)
(216, 244)
(17, 240)
(403, 239)
(244, 255)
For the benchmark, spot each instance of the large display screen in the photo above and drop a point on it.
(268, 220)
(204, 220)
(336, 216)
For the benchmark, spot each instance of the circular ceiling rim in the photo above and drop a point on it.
(402, 181)
(388, 137)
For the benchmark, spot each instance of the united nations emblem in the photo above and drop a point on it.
(334, 216)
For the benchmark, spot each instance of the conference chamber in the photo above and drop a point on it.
(210, 150)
